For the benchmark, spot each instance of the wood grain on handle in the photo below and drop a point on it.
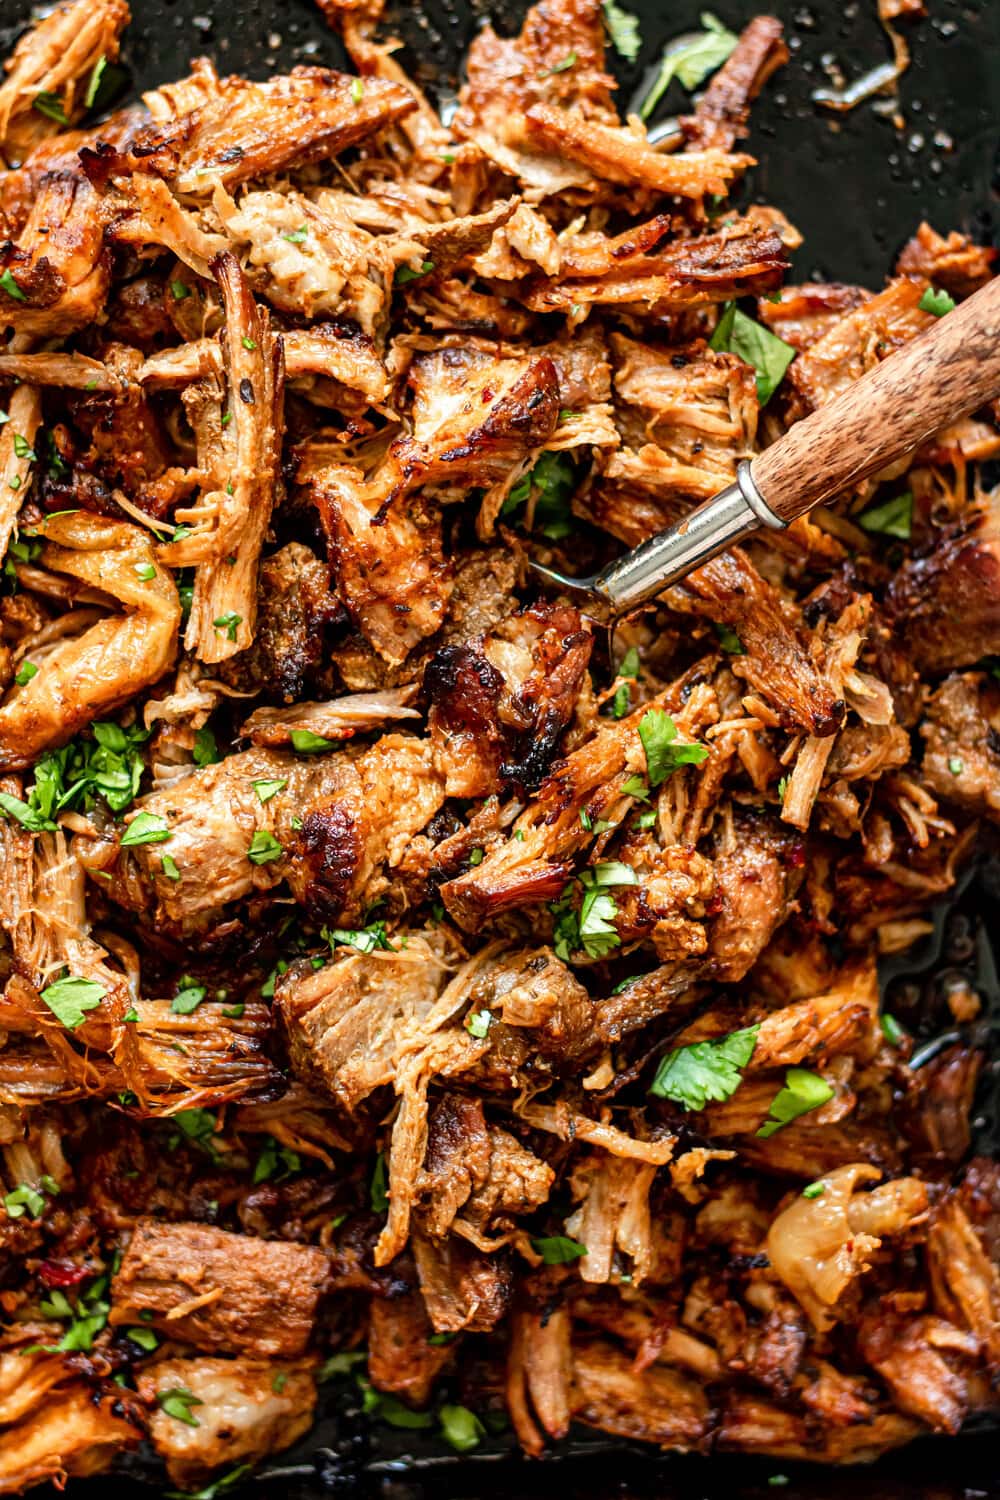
(944, 374)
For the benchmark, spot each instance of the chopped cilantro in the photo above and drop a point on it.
(145, 828)
(476, 857)
(25, 673)
(177, 1402)
(265, 789)
(623, 29)
(51, 106)
(94, 82)
(229, 623)
(276, 1161)
(477, 1023)
(206, 751)
(893, 518)
(461, 1428)
(168, 867)
(703, 1072)
(814, 1190)
(690, 61)
(263, 848)
(558, 1249)
(71, 997)
(636, 787)
(956, 765)
(562, 66)
(937, 302)
(297, 236)
(248, 342)
(553, 478)
(23, 448)
(378, 1192)
(145, 1338)
(145, 571)
(307, 743)
(365, 939)
(758, 346)
(664, 752)
(357, 89)
(802, 1092)
(894, 1034)
(188, 999)
(10, 286)
(729, 640)
(24, 1200)
(407, 273)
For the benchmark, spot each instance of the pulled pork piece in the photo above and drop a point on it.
(911, 1357)
(614, 154)
(858, 342)
(24, 411)
(754, 880)
(294, 603)
(965, 1282)
(358, 815)
(56, 273)
(243, 1410)
(752, 1425)
(55, 61)
(218, 1291)
(949, 261)
(962, 743)
(341, 718)
(476, 1170)
(85, 677)
(819, 1246)
(737, 261)
(721, 115)
(230, 130)
(943, 605)
(807, 311)
(401, 1358)
(463, 1288)
(499, 704)
(506, 76)
(54, 1425)
(656, 1405)
(232, 519)
(613, 1219)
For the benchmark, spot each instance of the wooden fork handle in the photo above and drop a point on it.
(944, 374)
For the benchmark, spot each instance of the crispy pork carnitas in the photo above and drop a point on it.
(403, 983)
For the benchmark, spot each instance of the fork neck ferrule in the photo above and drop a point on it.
(729, 517)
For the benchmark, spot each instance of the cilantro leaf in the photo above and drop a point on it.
(265, 789)
(892, 518)
(802, 1092)
(28, 817)
(276, 1161)
(10, 286)
(936, 301)
(71, 997)
(24, 1199)
(461, 1428)
(263, 847)
(558, 1249)
(597, 933)
(623, 29)
(705, 1071)
(664, 752)
(407, 273)
(145, 828)
(553, 479)
(206, 751)
(177, 1402)
(690, 59)
(51, 106)
(770, 356)
(188, 999)
(307, 743)
(229, 623)
(477, 1023)
(378, 1192)
(365, 939)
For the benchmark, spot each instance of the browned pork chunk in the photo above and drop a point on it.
(721, 114)
(944, 604)
(220, 1291)
(962, 743)
(243, 1409)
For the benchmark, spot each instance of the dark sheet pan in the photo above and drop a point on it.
(856, 186)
